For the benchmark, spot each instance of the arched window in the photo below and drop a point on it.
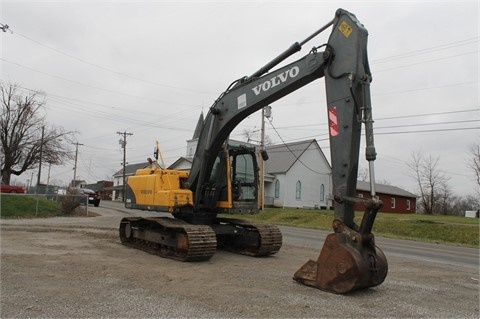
(277, 189)
(322, 193)
(298, 190)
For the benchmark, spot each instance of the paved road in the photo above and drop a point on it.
(310, 238)
(446, 254)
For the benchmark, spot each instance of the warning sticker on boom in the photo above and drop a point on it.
(332, 121)
(345, 29)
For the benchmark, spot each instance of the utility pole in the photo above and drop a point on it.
(266, 112)
(123, 143)
(48, 177)
(75, 167)
(41, 155)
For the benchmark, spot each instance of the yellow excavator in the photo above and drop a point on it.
(224, 177)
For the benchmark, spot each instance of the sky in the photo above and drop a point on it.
(150, 68)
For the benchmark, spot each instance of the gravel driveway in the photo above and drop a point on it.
(76, 268)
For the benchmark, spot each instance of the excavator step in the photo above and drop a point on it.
(247, 238)
(168, 238)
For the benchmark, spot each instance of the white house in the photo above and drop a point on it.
(130, 169)
(298, 175)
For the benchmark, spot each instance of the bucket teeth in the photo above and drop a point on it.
(344, 265)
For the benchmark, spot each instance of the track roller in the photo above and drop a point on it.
(168, 238)
(247, 238)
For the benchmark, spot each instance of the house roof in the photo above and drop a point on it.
(130, 169)
(283, 156)
(184, 160)
(384, 189)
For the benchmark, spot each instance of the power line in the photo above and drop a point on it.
(324, 125)
(408, 54)
(321, 137)
(290, 150)
(387, 93)
(428, 114)
(119, 118)
(64, 100)
(430, 131)
(125, 119)
(427, 50)
(92, 86)
(455, 44)
(427, 88)
(426, 124)
(427, 61)
(66, 103)
(102, 67)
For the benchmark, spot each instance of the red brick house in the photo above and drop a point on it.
(395, 200)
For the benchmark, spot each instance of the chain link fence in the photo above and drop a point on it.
(36, 200)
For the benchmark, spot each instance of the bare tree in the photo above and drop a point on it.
(363, 174)
(432, 184)
(384, 181)
(21, 125)
(474, 161)
(459, 204)
(254, 136)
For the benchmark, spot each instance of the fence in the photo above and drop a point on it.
(29, 203)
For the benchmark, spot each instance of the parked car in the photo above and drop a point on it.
(93, 196)
(12, 189)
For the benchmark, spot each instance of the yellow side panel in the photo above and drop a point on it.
(160, 188)
(143, 188)
(173, 198)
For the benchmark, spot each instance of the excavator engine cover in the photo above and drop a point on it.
(347, 262)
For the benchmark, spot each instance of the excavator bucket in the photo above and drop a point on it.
(348, 261)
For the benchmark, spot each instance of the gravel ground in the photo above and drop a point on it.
(77, 268)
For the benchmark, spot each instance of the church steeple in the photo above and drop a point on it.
(192, 144)
(198, 128)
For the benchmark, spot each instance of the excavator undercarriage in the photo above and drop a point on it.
(179, 240)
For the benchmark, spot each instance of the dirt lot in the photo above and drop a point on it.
(76, 268)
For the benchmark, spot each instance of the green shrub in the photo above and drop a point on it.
(68, 204)
(25, 206)
(453, 230)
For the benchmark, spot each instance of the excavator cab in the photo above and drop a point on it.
(234, 180)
